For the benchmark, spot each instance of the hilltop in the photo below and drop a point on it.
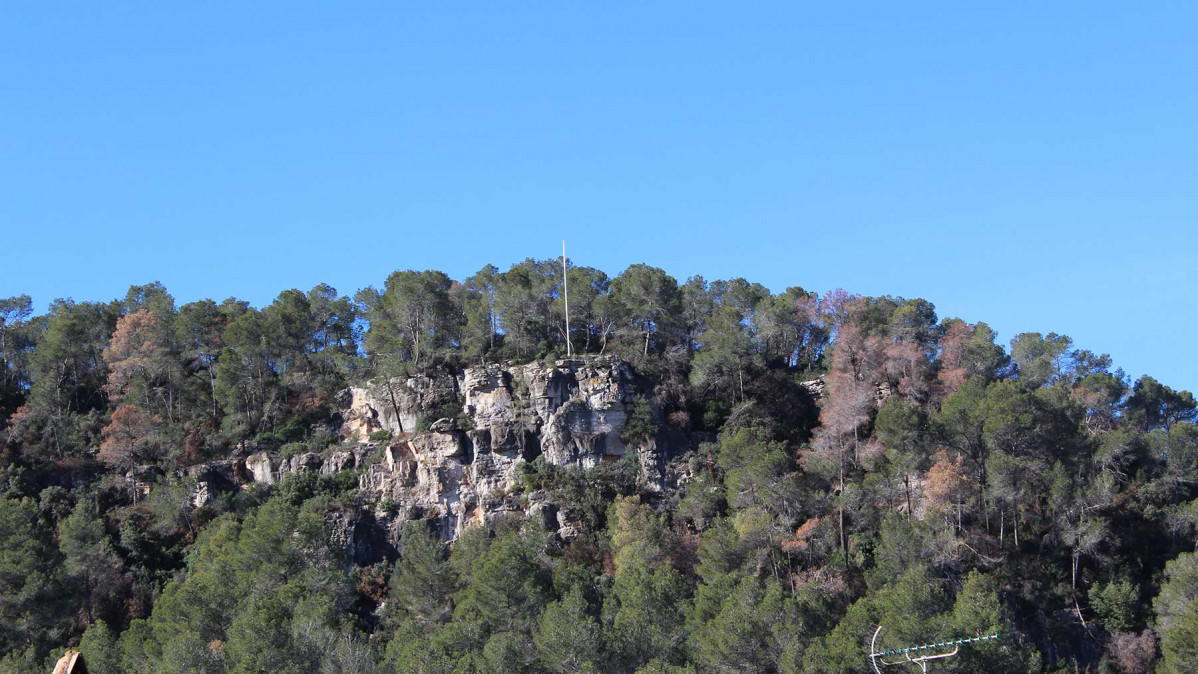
(446, 475)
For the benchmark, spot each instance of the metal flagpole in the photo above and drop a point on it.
(566, 294)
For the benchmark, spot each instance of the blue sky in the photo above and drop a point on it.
(1034, 167)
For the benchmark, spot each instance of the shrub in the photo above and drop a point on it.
(640, 425)
(1116, 603)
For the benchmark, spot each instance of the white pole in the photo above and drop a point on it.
(566, 295)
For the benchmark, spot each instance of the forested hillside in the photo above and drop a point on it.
(719, 479)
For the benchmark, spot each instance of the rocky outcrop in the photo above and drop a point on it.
(572, 411)
(342, 459)
(458, 444)
(815, 387)
(882, 391)
(397, 405)
(583, 411)
(260, 468)
(818, 388)
(459, 472)
(359, 535)
(213, 479)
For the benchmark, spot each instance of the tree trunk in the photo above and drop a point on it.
(212, 387)
(416, 344)
(1073, 575)
(844, 548)
(907, 485)
(1073, 586)
(395, 407)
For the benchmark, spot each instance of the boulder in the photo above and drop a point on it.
(815, 387)
(260, 468)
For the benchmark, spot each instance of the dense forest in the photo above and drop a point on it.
(837, 463)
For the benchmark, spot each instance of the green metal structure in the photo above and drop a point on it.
(920, 654)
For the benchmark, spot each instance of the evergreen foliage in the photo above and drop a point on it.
(929, 481)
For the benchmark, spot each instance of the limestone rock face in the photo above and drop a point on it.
(458, 472)
(211, 480)
(360, 418)
(582, 407)
(302, 463)
(358, 534)
(572, 411)
(396, 405)
(815, 387)
(343, 459)
(488, 394)
(818, 388)
(260, 468)
(201, 495)
(462, 466)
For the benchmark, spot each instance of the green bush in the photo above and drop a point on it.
(291, 449)
(640, 425)
(1117, 604)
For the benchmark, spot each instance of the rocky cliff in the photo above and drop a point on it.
(457, 444)
(459, 471)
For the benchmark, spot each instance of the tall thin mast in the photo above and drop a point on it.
(566, 295)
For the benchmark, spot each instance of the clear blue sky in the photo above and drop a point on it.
(1032, 166)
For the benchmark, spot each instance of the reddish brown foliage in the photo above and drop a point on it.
(131, 352)
(16, 427)
(373, 584)
(19, 415)
(870, 451)
(952, 344)
(952, 373)
(826, 581)
(682, 553)
(192, 445)
(802, 537)
(905, 365)
(1131, 652)
(850, 402)
(946, 482)
(127, 437)
(807, 311)
(608, 564)
(310, 403)
(581, 553)
(835, 307)
(680, 419)
(135, 607)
